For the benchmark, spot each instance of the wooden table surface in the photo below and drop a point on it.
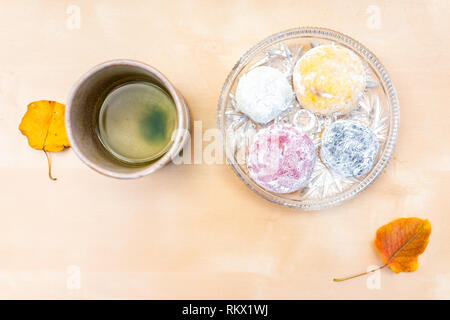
(196, 231)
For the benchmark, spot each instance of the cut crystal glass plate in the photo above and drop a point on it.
(378, 108)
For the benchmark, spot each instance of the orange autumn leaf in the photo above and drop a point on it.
(400, 242)
(43, 125)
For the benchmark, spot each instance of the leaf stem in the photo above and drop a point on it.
(49, 167)
(358, 275)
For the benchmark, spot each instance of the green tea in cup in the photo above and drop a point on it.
(136, 121)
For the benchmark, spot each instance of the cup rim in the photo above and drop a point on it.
(180, 131)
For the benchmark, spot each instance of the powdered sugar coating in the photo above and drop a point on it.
(263, 94)
(349, 148)
(329, 79)
(281, 158)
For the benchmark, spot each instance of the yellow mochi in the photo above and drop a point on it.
(329, 79)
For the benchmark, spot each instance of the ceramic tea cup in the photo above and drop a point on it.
(82, 113)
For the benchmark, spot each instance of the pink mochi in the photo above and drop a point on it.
(281, 158)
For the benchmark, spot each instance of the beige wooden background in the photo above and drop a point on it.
(196, 231)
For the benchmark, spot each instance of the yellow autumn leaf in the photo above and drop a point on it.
(400, 243)
(43, 125)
